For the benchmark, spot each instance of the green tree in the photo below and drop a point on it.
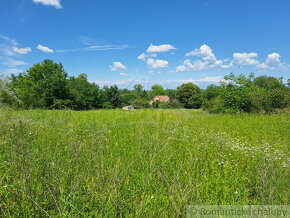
(41, 86)
(127, 97)
(157, 90)
(171, 93)
(185, 92)
(246, 94)
(139, 89)
(195, 101)
(84, 95)
(7, 96)
(269, 82)
(112, 96)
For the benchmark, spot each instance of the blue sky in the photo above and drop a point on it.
(168, 42)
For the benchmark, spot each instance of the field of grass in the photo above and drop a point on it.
(139, 163)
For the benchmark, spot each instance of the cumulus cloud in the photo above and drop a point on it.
(156, 63)
(44, 49)
(153, 63)
(25, 50)
(142, 57)
(245, 58)
(209, 61)
(272, 63)
(54, 3)
(117, 66)
(160, 48)
(204, 51)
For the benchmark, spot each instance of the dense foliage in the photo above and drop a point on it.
(47, 86)
(7, 96)
(246, 94)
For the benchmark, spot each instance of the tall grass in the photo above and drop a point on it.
(139, 163)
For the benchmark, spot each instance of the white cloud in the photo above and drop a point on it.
(272, 63)
(106, 47)
(123, 82)
(6, 46)
(55, 3)
(22, 50)
(273, 58)
(153, 63)
(142, 57)
(245, 58)
(117, 66)
(86, 40)
(156, 63)
(214, 79)
(44, 49)
(204, 51)
(181, 68)
(199, 65)
(124, 74)
(160, 48)
(209, 61)
(11, 41)
(6, 50)
(10, 62)
(95, 48)
(147, 82)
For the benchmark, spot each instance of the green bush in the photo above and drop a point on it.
(241, 94)
(175, 104)
(7, 95)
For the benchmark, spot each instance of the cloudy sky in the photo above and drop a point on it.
(168, 42)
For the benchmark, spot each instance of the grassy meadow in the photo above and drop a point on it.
(139, 163)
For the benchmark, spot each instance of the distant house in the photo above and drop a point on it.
(161, 98)
(128, 108)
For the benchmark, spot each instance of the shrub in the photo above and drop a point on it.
(175, 104)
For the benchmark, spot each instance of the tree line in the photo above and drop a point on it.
(46, 85)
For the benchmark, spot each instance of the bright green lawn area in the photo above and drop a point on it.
(139, 163)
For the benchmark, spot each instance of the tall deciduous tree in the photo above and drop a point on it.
(42, 86)
(185, 93)
(157, 90)
(85, 95)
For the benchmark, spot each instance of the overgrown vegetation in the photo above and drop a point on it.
(247, 94)
(47, 86)
(145, 163)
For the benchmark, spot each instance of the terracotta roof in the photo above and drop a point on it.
(162, 98)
